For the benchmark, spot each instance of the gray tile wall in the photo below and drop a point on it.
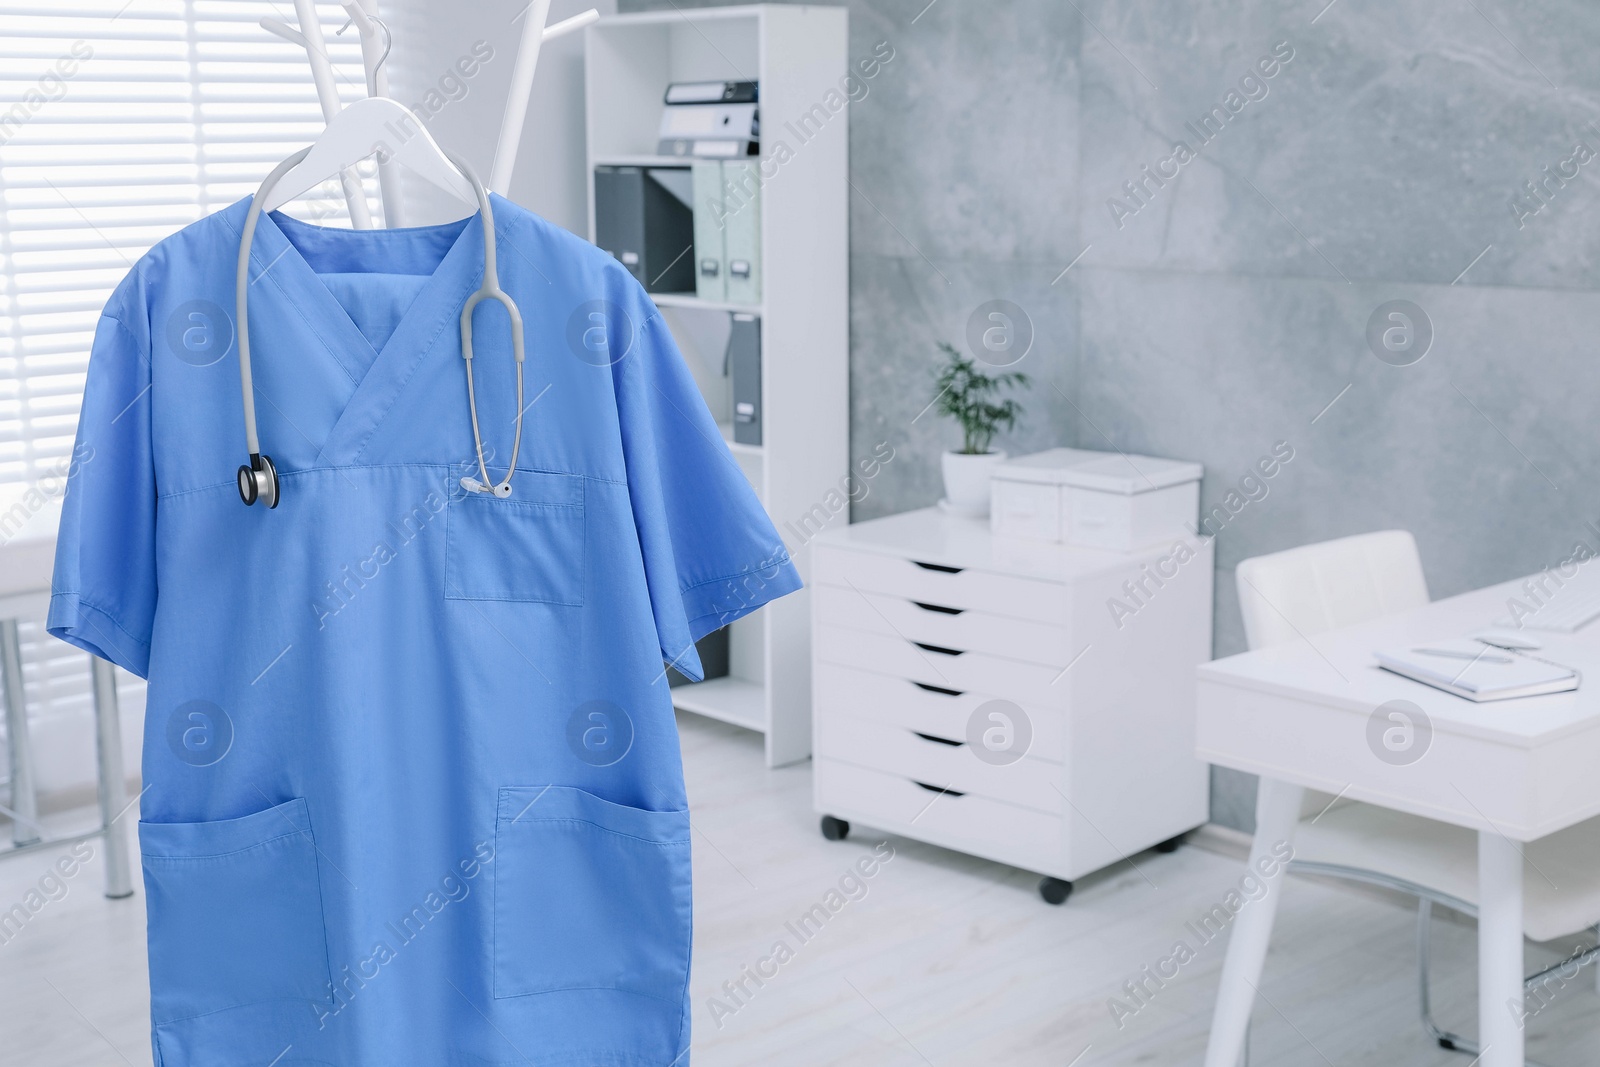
(1379, 162)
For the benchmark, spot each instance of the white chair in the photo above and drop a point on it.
(1294, 595)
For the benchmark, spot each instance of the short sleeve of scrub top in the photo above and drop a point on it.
(710, 552)
(105, 586)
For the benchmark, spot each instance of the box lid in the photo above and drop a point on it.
(1109, 472)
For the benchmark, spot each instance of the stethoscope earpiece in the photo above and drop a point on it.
(501, 489)
(258, 480)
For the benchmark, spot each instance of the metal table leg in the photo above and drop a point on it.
(24, 801)
(113, 783)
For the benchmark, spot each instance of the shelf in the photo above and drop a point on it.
(676, 16)
(731, 700)
(796, 52)
(667, 161)
(726, 429)
(647, 161)
(689, 300)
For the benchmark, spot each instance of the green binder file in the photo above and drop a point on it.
(741, 210)
(710, 258)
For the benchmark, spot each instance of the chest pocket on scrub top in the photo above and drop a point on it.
(527, 547)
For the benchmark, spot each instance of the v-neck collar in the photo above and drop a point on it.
(376, 376)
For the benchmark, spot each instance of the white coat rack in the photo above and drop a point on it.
(534, 34)
(376, 44)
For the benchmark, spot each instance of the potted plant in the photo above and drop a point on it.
(972, 398)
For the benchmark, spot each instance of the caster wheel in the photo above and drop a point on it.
(1170, 844)
(1054, 890)
(835, 829)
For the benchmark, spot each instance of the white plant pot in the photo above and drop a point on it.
(966, 482)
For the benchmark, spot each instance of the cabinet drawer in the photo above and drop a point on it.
(997, 594)
(937, 710)
(1025, 683)
(933, 760)
(974, 824)
(941, 624)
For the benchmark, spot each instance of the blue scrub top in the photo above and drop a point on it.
(413, 788)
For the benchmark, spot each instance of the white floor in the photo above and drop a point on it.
(945, 960)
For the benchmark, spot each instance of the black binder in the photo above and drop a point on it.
(744, 364)
(644, 216)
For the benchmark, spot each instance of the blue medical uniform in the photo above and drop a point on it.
(414, 794)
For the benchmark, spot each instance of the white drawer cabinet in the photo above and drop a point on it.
(938, 762)
(920, 706)
(1027, 702)
(940, 625)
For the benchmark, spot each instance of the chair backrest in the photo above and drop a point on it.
(1320, 587)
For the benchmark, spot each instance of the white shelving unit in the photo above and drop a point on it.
(799, 55)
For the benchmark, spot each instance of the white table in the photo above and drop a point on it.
(28, 524)
(1298, 716)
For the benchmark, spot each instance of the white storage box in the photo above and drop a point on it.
(1095, 499)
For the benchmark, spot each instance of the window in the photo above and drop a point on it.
(121, 122)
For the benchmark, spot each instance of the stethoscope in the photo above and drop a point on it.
(258, 479)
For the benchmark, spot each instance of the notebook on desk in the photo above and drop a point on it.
(1475, 671)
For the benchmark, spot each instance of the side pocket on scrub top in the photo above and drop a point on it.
(235, 910)
(589, 895)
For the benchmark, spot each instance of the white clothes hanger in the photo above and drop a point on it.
(316, 46)
(376, 125)
(376, 44)
(388, 129)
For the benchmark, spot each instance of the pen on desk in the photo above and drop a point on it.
(1450, 653)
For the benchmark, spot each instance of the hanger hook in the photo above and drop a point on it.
(388, 41)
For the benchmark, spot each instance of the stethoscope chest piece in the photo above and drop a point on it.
(258, 481)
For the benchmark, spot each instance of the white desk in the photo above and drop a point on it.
(1513, 770)
(28, 524)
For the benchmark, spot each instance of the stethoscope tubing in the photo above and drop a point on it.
(241, 296)
(489, 289)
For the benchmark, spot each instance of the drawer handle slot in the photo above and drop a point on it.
(940, 608)
(941, 690)
(940, 649)
(939, 789)
(938, 740)
(940, 567)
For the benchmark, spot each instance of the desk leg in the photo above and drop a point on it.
(24, 801)
(1499, 950)
(113, 783)
(1277, 814)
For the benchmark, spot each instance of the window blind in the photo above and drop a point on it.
(121, 122)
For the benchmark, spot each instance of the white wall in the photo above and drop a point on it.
(464, 113)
